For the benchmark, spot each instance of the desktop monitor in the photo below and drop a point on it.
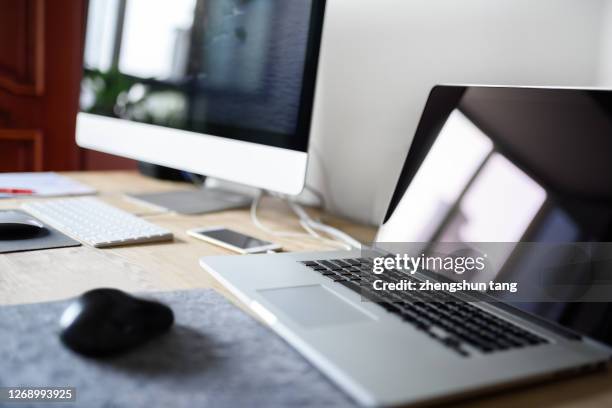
(223, 88)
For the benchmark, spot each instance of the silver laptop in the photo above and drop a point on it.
(491, 165)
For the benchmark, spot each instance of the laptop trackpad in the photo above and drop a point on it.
(313, 306)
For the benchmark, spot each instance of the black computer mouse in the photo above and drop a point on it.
(104, 322)
(15, 225)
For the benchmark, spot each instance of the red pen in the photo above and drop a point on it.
(16, 191)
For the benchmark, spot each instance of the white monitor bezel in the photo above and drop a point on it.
(257, 165)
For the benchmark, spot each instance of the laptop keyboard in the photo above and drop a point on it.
(455, 323)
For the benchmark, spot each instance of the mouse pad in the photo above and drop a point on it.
(48, 239)
(214, 356)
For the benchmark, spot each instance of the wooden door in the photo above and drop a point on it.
(41, 45)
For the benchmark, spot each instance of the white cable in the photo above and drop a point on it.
(316, 225)
(258, 224)
(336, 233)
(313, 234)
(311, 225)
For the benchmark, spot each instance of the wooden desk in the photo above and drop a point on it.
(61, 273)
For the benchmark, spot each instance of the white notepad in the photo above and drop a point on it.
(43, 184)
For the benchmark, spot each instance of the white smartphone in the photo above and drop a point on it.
(233, 240)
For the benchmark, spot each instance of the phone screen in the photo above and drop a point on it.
(235, 238)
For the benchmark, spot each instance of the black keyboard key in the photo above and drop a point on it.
(535, 341)
(350, 285)
(370, 294)
(408, 317)
(390, 307)
(328, 264)
(422, 324)
(452, 342)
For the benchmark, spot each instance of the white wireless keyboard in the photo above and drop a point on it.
(98, 224)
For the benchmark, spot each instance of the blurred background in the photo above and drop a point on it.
(379, 59)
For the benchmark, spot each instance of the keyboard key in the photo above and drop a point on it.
(352, 286)
(327, 264)
(342, 263)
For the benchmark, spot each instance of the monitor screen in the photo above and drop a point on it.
(240, 69)
(517, 165)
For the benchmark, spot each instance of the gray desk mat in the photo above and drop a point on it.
(215, 356)
(50, 238)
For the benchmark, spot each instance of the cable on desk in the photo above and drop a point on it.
(306, 222)
(317, 194)
(313, 226)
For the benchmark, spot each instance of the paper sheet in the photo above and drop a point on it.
(43, 184)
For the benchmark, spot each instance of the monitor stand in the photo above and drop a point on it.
(191, 202)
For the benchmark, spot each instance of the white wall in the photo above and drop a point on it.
(381, 57)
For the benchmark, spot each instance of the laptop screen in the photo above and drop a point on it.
(514, 165)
